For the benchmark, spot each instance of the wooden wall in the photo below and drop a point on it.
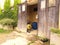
(48, 18)
(22, 18)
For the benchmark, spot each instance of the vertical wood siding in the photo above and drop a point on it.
(22, 20)
(48, 18)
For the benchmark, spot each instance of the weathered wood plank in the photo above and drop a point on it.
(42, 22)
(59, 14)
(22, 20)
(48, 18)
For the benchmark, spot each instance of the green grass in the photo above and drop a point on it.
(30, 42)
(54, 30)
(52, 44)
(5, 31)
(43, 39)
(47, 43)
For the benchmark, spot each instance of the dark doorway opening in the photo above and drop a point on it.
(32, 16)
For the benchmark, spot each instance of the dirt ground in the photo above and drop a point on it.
(55, 39)
(4, 37)
(17, 37)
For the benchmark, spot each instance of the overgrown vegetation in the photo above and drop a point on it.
(8, 15)
(8, 22)
(55, 30)
(5, 31)
(30, 42)
(38, 38)
(43, 39)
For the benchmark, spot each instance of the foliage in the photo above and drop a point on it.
(7, 5)
(47, 43)
(6, 21)
(55, 30)
(6, 14)
(43, 39)
(19, 1)
(31, 42)
(5, 31)
(0, 11)
(9, 12)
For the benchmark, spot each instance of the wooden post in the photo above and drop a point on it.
(22, 20)
(59, 14)
(42, 21)
(47, 13)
